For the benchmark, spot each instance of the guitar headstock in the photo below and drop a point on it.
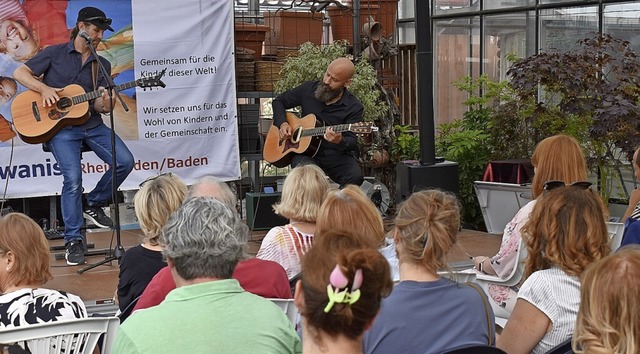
(152, 81)
(363, 128)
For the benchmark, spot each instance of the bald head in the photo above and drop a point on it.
(209, 186)
(342, 68)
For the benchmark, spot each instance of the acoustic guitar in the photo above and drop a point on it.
(305, 138)
(36, 124)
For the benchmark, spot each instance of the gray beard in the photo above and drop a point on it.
(325, 94)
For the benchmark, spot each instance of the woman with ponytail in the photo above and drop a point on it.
(343, 282)
(427, 313)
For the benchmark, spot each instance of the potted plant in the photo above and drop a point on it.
(594, 85)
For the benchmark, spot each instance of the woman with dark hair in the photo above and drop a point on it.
(566, 233)
(343, 283)
(427, 313)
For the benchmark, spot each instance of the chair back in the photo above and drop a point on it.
(78, 336)
(517, 272)
(289, 308)
(475, 349)
(562, 348)
(616, 233)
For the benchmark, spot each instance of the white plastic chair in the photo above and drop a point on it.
(517, 272)
(616, 230)
(55, 337)
(289, 308)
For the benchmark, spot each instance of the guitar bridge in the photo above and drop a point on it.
(36, 111)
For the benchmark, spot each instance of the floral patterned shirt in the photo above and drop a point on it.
(32, 306)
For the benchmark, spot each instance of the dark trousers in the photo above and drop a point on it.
(341, 168)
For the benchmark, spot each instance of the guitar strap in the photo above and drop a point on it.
(94, 74)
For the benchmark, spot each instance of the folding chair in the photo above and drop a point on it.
(79, 336)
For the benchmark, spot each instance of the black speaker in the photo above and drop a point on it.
(415, 177)
(260, 215)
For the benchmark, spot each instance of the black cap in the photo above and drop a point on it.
(96, 17)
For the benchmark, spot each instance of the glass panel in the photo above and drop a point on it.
(456, 55)
(442, 7)
(623, 21)
(501, 4)
(561, 29)
(511, 34)
(407, 32)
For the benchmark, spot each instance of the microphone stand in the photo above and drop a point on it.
(118, 250)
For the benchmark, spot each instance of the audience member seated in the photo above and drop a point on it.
(340, 210)
(632, 214)
(208, 311)
(558, 158)
(24, 267)
(609, 315)
(302, 194)
(157, 198)
(566, 232)
(343, 282)
(257, 276)
(427, 313)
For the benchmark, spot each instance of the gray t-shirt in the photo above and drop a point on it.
(428, 317)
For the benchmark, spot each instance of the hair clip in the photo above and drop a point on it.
(338, 281)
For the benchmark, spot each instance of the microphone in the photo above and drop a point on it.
(86, 36)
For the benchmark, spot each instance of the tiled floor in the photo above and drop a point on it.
(98, 285)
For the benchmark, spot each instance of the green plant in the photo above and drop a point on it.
(312, 62)
(468, 141)
(596, 90)
(406, 145)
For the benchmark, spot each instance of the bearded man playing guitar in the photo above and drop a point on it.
(331, 102)
(73, 63)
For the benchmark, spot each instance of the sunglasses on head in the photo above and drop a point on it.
(551, 185)
(99, 19)
(169, 174)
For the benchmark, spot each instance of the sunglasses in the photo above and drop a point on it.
(168, 174)
(99, 19)
(551, 185)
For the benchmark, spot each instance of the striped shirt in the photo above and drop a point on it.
(12, 10)
(285, 245)
(557, 295)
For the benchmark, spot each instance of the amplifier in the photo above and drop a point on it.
(260, 215)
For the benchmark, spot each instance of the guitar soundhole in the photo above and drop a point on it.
(64, 103)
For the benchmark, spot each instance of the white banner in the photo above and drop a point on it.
(188, 128)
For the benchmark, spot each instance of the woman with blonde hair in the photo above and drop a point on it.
(158, 197)
(343, 283)
(558, 158)
(24, 268)
(302, 194)
(427, 313)
(566, 232)
(609, 315)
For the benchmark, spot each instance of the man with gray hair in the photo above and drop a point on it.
(209, 186)
(208, 311)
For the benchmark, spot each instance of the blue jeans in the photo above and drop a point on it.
(66, 148)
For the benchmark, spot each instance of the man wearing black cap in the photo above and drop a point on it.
(73, 63)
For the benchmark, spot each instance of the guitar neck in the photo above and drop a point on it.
(97, 93)
(321, 130)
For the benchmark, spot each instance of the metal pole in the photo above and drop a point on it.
(424, 63)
